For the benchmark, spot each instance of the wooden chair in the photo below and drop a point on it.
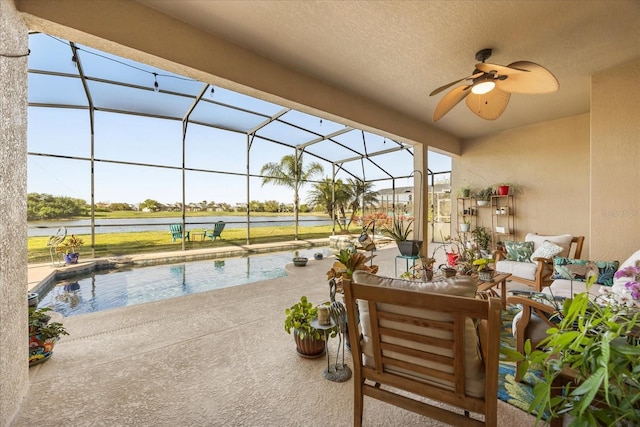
(217, 230)
(544, 269)
(425, 344)
(539, 312)
(176, 232)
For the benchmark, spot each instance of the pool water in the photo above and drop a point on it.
(103, 290)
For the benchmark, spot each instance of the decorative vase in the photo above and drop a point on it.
(409, 247)
(466, 192)
(308, 347)
(300, 261)
(503, 190)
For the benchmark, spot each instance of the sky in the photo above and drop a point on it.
(138, 139)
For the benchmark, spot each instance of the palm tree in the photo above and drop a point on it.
(360, 191)
(323, 194)
(290, 172)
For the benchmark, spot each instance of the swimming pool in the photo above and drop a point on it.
(106, 289)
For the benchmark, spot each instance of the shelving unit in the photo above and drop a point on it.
(503, 218)
(467, 211)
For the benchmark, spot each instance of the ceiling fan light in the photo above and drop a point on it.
(483, 86)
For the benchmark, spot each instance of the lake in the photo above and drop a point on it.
(130, 225)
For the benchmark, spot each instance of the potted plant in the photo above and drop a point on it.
(483, 239)
(506, 188)
(400, 233)
(484, 196)
(422, 271)
(69, 249)
(43, 334)
(348, 262)
(485, 272)
(465, 226)
(594, 352)
(310, 342)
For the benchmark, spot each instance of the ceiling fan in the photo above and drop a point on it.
(491, 86)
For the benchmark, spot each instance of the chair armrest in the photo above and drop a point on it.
(535, 305)
(499, 255)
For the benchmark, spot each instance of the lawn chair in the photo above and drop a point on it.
(176, 232)
(217, 230)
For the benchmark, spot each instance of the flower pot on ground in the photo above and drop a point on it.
(310, 342)
(69, 249)
(43, 334)
(300, 261)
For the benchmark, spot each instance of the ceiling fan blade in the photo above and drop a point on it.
(537, 79)
(450, 100)
(490, 105)
(499, 69)
(447, 86)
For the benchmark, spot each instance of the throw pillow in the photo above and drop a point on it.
(547, 249)
(563, 240)
(580, 270)
(518, 251)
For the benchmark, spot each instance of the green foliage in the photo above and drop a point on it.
(150, 204)
(600, 344)
(299, 317)
(482, 237)
(483, 263)
(39, 324)
(46, 206)
(398, 231)
(70, 245)
(485, 194)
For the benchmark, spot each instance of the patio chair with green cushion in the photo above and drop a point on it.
(176, 232)
(217, 230)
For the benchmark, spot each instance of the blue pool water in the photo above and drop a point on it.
(103, 290)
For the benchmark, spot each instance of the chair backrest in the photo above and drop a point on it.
(218, 227)
(577, 243)
(176, 230)
(425, 344)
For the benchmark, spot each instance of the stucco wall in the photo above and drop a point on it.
(549, 161)
(14, 371)
(615, 161)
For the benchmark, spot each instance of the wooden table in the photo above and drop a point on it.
(499, 279)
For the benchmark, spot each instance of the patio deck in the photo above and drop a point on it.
(217, 358)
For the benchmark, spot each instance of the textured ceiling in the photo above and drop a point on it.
(397, 52)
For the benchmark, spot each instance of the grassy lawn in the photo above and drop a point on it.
(116, 244)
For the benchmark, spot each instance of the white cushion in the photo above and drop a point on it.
(459, 286)
(563, 288)
(547, 249)
(563, 240)
(524, 270)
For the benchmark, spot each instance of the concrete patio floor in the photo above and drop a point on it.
(216, 358)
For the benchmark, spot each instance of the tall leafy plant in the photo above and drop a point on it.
(599, 344)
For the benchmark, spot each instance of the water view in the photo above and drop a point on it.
(130, 225)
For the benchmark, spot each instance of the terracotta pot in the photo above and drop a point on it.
(308, 346)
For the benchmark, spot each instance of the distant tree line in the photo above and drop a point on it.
(46, 206)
